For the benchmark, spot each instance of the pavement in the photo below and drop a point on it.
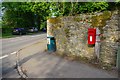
(36, 62)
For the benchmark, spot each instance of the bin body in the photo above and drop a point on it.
(51, 44)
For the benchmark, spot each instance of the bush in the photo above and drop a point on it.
(43, 25)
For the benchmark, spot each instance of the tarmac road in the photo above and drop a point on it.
(9, 48)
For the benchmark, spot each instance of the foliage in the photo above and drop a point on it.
(43, 25)
(14, 16)
(27, 14)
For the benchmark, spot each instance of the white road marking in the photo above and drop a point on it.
(23, 38)
(4, 56)
(7, 55)
(13, 53)
(35, 35)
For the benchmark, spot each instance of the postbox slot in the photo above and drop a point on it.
(91, 31)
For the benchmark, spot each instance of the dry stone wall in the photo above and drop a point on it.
(109, 45)
(71, 34)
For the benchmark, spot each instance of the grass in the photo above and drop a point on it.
(8, 35)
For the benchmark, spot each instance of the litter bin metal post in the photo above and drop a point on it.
(118, 60)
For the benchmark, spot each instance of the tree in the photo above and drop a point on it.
(26, 14)
(15, 16)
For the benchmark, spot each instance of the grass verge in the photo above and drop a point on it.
(8, 35)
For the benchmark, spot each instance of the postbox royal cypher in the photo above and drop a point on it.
(91, 36)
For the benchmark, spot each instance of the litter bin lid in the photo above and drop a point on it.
(51, 37)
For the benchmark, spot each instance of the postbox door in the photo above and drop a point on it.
(91, 36)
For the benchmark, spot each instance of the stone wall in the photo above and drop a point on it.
(111, 41)
(70, 33)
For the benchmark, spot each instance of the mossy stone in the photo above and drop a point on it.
(55, 20)
(100, 20)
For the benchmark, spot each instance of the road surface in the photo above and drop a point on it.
(9, 47)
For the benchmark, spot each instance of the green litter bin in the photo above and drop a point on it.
(51, 44)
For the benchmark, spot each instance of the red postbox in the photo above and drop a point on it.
(91, 36)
